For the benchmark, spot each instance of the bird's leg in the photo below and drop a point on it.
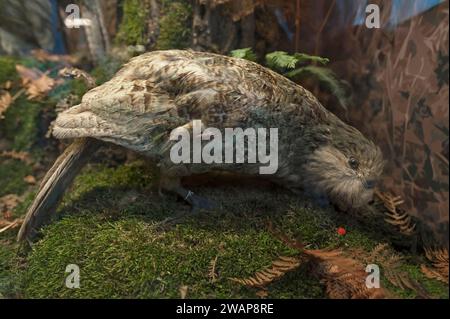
(173, 184)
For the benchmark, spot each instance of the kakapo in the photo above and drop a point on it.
(158, 92)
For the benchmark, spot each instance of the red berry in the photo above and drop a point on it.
(341, 231)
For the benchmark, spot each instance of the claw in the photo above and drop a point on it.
(200, 203)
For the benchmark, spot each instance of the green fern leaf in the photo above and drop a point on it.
(246, 53)
(303, 57)
(280, 60)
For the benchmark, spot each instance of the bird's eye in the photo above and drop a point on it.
(353, 162)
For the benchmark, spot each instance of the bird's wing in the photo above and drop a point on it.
(159, 91)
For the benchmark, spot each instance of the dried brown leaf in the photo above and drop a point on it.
(40, 87)
(8, 203)
(29, 179)
(36, 83)
(20, 156)
(5, 102)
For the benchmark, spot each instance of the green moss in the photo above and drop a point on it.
(109, 225)
(175, 26)
(21, 122)
(129, 258)
(10, 271)
(106, 70)
(78, 87)
(69, 87)
(8, 69)
(22, 207)
(132, 28)
(433, 287)
(12, 173)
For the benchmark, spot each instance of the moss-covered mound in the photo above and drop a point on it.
(110, 226)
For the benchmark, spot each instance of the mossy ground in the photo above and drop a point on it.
(108, 225)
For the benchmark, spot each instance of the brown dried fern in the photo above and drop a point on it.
(394, 215)
(439, 261)
(278, 269)
(342, 276)
(212, 273)
(391, 263)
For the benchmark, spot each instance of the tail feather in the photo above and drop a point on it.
(54, 184)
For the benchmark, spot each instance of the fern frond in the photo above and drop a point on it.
(280, 60)
(303, 57)
(395, 216)
(325, 77)
(391, 264)
(246, 53)
(433, 274)
(344, 277)
(439, 261)
(278, 269)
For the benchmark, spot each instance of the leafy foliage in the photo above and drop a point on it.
(300, 66)
(280, 60)
(246, 53)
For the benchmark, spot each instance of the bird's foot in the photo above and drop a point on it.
(199, 203)
(321, 200)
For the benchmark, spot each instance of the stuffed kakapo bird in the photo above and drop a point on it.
(161, 91)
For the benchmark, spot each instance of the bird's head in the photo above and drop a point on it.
(346, 169)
